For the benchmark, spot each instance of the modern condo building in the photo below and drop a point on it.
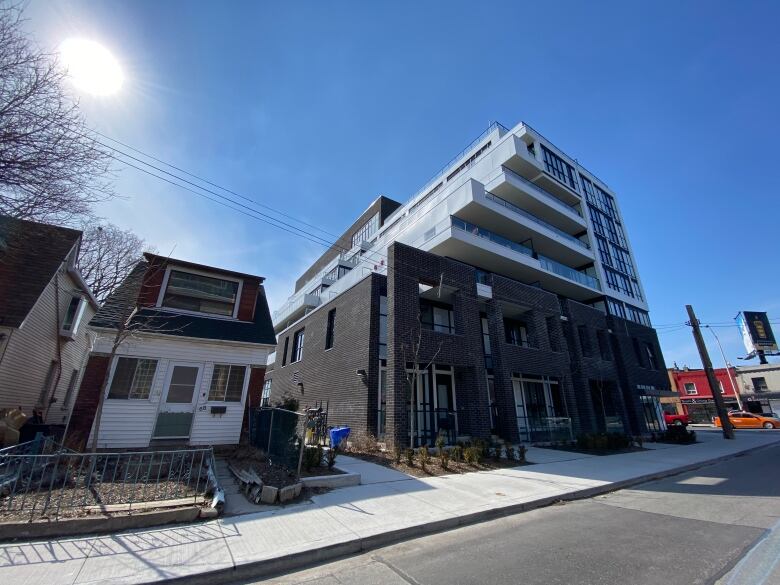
(502, 299)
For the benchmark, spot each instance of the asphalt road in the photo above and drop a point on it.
(711, 525)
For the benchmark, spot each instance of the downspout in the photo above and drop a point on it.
(53, 388)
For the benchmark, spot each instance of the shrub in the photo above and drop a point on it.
(288, 402)
(410, 457)
(457, 453)
(444, 459)
(521, 451)
(473, 455)
(312, 457)
(397, 452)
(603, 441)
(424, 456)
(364, 443)
(497, 451)
(331, 459)
(440, 442)
(677, 434)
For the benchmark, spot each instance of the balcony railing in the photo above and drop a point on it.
(488, 235)
(544, 192)
(514, 208)
(545, 429)
(568, 272)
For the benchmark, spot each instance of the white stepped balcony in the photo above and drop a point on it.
(294, 309)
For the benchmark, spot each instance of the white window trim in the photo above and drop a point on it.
(687, 392)
(164, 287)
(73, 331)
(151, 388)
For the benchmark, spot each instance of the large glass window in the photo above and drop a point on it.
(297, 348)
(368, 229)
(516, 332)
(559, 168)
(203, 294)
(437, 316)
(132, 379)
(227, 383)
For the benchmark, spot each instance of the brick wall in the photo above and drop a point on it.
(246, 304)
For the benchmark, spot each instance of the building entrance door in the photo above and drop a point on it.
(174, 419)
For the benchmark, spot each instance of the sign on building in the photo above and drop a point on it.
(756, 332)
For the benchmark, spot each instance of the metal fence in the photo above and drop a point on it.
(546, 429)
(279, 433)
(38, 484)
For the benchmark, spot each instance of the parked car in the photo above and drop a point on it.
(678, 420)
(747, 420)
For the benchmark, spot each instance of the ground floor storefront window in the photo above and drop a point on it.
(704, 412)
(653, 414)
(606, 407)
(541, 410)
(431, 405)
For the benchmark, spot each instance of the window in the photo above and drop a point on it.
(637, 352)
(72, 318)
(202, 294)
(437, 317)
(690, 388)
(383, 327)
(759, 384)
(603, 340)
(329, 328)
(582, 332)
(297, 348)
(265, 398)
(132, 379)
(652, 359)
(516, 332)
(74, 376)
(486, 342)
(284, 353)
(227, 383)
(558, 168)
(720, 386)
(616, 308)
(368, 229)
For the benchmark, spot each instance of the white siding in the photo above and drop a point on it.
(31, 349)
(130, 423)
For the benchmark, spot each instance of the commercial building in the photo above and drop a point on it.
(501, 299)
(759, 387)
(696, 395)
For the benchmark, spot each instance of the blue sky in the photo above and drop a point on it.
(318, 107)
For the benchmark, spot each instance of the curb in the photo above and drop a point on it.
(300, 560)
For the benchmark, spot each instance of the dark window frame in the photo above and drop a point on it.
(299, 338)
(330, 329)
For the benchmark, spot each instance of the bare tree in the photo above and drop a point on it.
(107, 255)
(50, 168)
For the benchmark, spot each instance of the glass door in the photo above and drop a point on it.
(174, 419)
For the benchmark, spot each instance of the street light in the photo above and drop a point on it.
(728, 367)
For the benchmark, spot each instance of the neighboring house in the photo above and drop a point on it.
(759, 386)
(198, 342)
(45, 306)
(508, 280)
(696, 395)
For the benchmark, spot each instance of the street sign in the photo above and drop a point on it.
(756, 332)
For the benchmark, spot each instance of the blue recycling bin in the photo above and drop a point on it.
(338, 434)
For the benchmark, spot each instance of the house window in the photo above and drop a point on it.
(582, 332)
(202, 294)
(330, 327)
(284, 353)
(74, 376)
(516, 332)
(297, 348)
(132, 379)
(437, 317)
(227, 383)
(759, 384)
(690, 388)
(265, 398)
(652, 359)
(72, 318)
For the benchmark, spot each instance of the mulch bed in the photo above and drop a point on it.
(246, 456)
(433, 468)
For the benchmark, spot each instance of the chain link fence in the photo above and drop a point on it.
(279, 433)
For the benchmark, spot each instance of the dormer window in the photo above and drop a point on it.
(201, 294)
(73, 315)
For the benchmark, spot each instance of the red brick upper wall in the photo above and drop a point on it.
(246, 304)
(152, 282)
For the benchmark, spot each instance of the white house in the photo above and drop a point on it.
(194, 348)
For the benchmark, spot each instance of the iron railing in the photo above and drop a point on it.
(66, 483)
(546, 429)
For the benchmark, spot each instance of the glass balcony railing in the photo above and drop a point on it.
(488, 235)
(514, 208)
(568, 272)
(544, 192)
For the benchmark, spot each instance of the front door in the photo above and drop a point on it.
(177, 409)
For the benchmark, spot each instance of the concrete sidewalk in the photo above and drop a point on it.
(388, 507)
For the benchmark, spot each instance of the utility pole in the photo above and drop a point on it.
(725, 423)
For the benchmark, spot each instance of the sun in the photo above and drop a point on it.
(91, 67)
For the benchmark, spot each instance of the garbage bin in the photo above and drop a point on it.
(337, 435)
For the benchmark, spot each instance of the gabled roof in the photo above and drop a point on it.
(152, 320)
(30, 255)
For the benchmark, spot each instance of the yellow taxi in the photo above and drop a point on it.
(748, 420)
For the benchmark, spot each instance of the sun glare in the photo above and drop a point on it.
(91, 67)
